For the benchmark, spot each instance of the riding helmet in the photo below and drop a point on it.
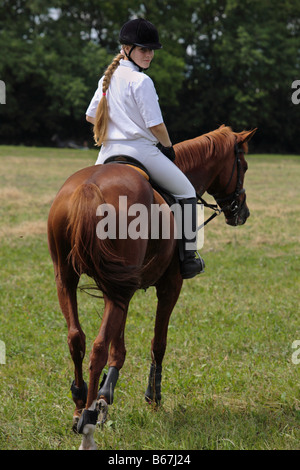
(141, 33)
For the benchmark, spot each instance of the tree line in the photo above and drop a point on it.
(223, 62)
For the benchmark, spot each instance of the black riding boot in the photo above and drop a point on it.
(190, 266)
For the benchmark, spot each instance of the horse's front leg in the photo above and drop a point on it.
(168, 289)
(111, 331)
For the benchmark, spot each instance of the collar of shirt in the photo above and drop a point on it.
(128, 63)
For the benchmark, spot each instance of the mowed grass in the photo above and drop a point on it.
(230, 380)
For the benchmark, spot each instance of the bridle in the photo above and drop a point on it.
(234, 204)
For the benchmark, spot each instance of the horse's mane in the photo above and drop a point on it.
(196, 151)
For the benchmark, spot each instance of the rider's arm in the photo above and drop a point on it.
(90, 119)
(161, 134)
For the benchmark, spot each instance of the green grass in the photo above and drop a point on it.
(228, 377)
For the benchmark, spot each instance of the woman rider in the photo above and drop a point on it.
(128, 121)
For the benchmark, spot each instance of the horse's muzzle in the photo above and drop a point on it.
(240, 218)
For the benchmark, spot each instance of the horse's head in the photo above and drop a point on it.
(215, 162)
(229, 191)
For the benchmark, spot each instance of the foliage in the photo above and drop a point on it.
(223, 61)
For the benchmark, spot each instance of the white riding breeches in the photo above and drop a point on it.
(164, 172)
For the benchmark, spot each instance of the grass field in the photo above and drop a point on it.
(230, 380)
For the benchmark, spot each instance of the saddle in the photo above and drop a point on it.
(138, 166)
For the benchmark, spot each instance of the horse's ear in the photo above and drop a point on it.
(245, 136)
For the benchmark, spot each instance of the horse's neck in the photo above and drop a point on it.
(202, 169)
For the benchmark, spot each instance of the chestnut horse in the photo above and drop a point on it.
(213, 162)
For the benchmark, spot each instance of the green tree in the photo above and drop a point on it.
(241, 63)
(223, 61)
(49, 67)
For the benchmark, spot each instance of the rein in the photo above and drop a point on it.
(234, 205)
(213, 207)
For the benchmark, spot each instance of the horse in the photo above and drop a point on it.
(214, 163)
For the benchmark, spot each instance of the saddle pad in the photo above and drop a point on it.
(143, 173)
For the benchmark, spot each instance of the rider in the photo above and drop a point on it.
(128, 121)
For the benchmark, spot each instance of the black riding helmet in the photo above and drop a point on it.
(140, 33)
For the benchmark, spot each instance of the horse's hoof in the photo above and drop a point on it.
(102, 407)
(74, 425)
(88, 442)
(154, 403)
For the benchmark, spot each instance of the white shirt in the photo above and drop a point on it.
(132, 104)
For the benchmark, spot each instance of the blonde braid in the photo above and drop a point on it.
(101, 124)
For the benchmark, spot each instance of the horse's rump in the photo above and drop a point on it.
(98, 258)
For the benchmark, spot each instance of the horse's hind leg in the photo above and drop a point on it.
(168, 290)
(116, 360)
(111, 332)
(66, 283)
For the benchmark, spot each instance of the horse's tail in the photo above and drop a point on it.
(97, 257)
